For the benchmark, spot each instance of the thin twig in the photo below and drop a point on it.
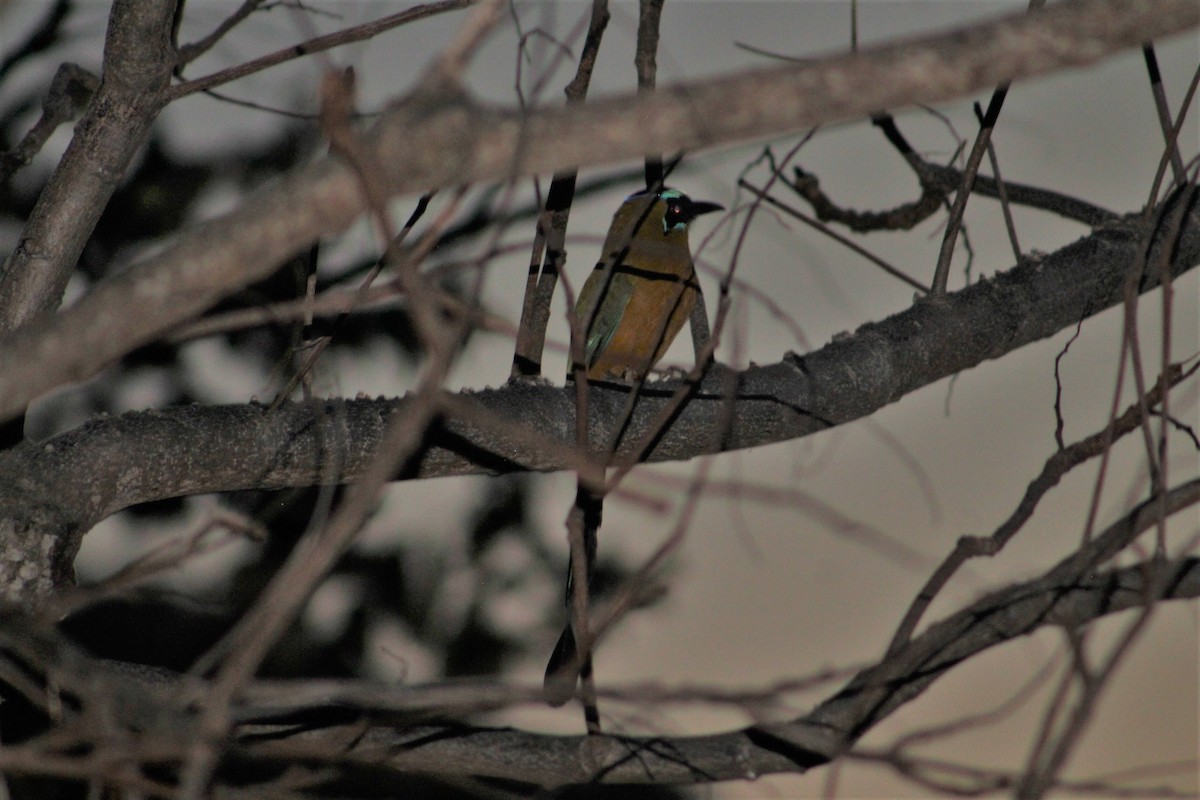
(549, 247)
(832, 234)
(356, 33)
(1053, 471)
(941, 273)
(190, 52)
(1163, 108)
(1002, 191)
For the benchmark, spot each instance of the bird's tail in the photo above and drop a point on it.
(561, 673)
(566, 665)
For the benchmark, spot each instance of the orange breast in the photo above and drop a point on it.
(654, 315)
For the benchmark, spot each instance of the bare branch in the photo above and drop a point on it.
(320, 44)
(1054, 470)
(137, 67)
(549, 247)
(190, 52)
(226, 448)
(70, 92)
(437, 139)
(163, 706)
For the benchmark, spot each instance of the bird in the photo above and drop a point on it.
(631, 307)
(644, 287)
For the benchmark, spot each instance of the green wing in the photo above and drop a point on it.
(608, 316)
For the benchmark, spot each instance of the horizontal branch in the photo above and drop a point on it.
(380, 728)
(1071, 594)
(54, 491)
(439, 136)
(737, 755)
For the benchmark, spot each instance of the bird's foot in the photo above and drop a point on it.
(672, 373)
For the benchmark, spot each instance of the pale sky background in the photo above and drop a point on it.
(762, 594)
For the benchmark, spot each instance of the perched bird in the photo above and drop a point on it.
(644, 287)
(633, 304)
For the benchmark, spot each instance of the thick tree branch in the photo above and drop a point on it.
(52, 492)
(384, 729)
(1072, 594)
(438, 137)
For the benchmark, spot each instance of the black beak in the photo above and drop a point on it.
(699, 207)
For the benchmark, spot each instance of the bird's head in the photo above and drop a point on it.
(670, 211)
